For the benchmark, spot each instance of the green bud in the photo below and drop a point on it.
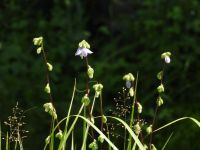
(49, 66)
(93, 145)
(59, 135)
(159, 101)
(165, 54)
(153, 147)
(160, 75)
(39, 49)
(90, 72)
(47, 88)
(98, 89)
(84, 44)
(100, 139)
(139, 107)
(128, 77)
(104, 119)
(137, 128)
(50, 109)
(131, 92)
(47, 140)
(85, 100)
(38, 41)
(149, 129)
(160, 88)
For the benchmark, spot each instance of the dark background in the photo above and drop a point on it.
(125, 36)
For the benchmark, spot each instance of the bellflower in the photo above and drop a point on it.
(83, 49)
(166, 57)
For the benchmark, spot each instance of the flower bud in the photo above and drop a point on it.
(159, 101)
(139, 108)
(166, 57)
(160, 75)
(93, 145)
(39, 49)
(100, 139)
(38, 41)
(128, 84)
(90, 72)
(149, 129)
(85, 100)
(104, 119)
(137, 128)
(131, 92)
(49, 66)
(98, 89)
(84, 44)
(153, 147)
(47, 140)
(160, 88)
(50, 109)
(129, 77)
(59, 135)
(47, 88)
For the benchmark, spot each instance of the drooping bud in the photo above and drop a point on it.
(84, 44)
(93, 145)
(160, 75)
(59, 135)
(49, 66)
(90, 72)
(104, 119)
(38, 41)
(39, 49)
(131, 92)
(100, 139)
(50, 109)
(166, 57)
(153, 147)
(139, 108)
(149, 129)
(160, 88)
(98, 89)
(85, 100)
(159, 101)
(129, 77)
(47, 140)
(47, 88)
(137, 128)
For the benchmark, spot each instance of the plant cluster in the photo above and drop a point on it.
(97, 129)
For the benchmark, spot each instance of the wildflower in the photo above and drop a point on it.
(160, 75)
(128, 84)
(129, 78)
(104, 119)
(47, 140)
(83, 49)
(166, 57)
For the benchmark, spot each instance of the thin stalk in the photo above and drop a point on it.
(132, 113)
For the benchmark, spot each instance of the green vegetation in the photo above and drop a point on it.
(125, 37)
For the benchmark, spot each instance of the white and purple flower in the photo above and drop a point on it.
(83, 52)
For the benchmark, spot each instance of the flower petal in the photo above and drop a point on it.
(78, 52)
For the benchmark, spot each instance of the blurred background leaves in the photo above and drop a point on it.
(125, 36)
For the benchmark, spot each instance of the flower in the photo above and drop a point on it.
(83, 49)
(83, 52)
(166, 57)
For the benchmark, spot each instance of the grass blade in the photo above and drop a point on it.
(141, 147)
(167, 141)
(177, 120)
